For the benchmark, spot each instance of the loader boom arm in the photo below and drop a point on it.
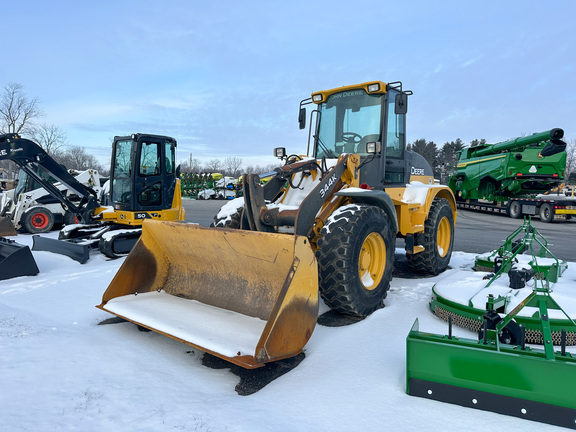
(29, 155)
(259, 218)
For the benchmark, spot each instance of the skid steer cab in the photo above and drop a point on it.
(325, 223)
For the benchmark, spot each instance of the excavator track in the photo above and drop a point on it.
(118, 243)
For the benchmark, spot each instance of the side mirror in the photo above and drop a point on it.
(302, 118)
(401, 104)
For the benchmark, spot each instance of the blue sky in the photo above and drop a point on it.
(225, 78)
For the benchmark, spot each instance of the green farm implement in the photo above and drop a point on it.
(498, 371)
(517, 380)
(524, 259)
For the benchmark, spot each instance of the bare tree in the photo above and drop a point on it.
(196, 166)
(232, 166)
(50, 137)
(76, 157)
(17, 111)
(269, 168)
(570, 158)
(214, 165)
(250, 169)
(16, 115)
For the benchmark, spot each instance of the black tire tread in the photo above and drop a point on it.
(338, 276)
(27, 220)
(429, 261)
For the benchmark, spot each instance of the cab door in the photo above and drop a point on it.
(155, 180)
(395, 170)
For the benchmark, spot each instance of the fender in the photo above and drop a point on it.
(377, 198)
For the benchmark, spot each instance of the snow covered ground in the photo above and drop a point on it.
(62, 371)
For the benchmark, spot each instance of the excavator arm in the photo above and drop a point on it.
(32, 158)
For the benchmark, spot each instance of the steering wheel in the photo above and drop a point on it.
(351, 137)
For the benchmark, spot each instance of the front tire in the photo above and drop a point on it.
(232, 221)
(37, 220)
(355, 259)
(437, 239)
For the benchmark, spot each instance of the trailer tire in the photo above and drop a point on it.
(437, 239)
(546, 213)
(355, 259)
(37, 220)
(515, 210)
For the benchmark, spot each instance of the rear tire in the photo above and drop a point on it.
(355, 259)
(546, 213)
(37, 220)
(437, 239)
(70, 219)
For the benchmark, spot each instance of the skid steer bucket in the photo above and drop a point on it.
(247, 297)
(16, 260)
(518, 381)
(7, 227)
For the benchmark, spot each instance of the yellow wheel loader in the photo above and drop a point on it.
(247, 289)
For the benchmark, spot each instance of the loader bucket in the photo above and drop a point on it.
(507, 379)
(16, 260)
(245, 296)
(7, 227)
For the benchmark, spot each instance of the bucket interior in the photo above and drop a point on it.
(228, 292)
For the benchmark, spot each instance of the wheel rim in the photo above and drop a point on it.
(372, 261)
(443, 237)
(39, 220)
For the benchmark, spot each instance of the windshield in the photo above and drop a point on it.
(348, 120)
(121, 172)
(27, 183)
(21, 187)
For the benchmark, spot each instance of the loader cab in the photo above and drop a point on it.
(368, 120)
(142, 172)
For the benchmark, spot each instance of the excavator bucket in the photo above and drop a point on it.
(245, 296)
(514, 380)
(16, 260)
(7, 227)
